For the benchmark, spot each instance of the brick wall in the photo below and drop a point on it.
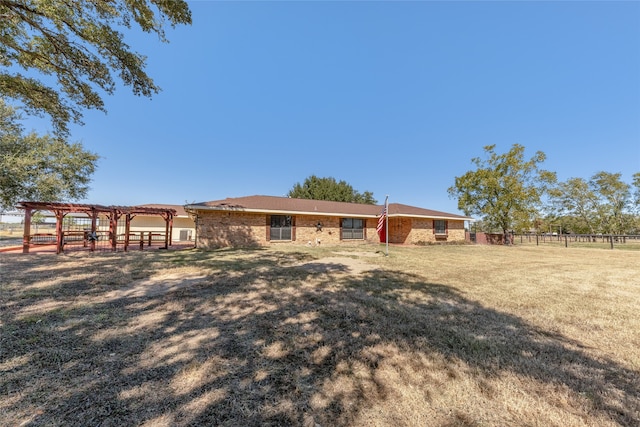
(422, 232)
(241, 229)
(399, 230)
(236, 229)
(307, 232)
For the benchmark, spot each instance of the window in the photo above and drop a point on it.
(280, 228)
(440, 226)
(352, 228)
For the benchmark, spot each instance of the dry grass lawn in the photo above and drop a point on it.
(429, 336)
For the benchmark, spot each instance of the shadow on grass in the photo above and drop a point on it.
(262, 341)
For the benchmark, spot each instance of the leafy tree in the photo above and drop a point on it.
(636, 201)
(615, 200)
(604, 204)
(575, 197)
(329, 189)
(505, 189)
(43, 168)
(566, 224)
(573, 224)
(636, 192)
(483, 226)
(37, 218)
(77, 45)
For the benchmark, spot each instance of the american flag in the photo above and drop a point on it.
(381, 219)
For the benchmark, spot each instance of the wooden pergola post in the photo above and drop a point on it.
(113, 228)
(127, 228)
(167, 230)
(59, 237)
(170, 229)
(26, 234)
(94, 234)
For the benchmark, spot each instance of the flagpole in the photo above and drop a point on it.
(386, 226)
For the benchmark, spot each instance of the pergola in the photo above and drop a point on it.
(113, 213)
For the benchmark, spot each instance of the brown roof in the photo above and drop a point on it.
(178, 208)
(398, 209)
(287, 205)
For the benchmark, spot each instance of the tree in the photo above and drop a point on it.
(576, 198)
(37, 218)
(504, 189)
(614, 201)
(76, 44)
(604, 204)
(44, 168)
(329, 189)
(636, 190)
(636, 201)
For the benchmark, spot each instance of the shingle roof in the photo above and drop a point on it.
(398, 209)
(178, 208)
(287, 205)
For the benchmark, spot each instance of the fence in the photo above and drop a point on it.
(142, 238)
(626, 241)
(100, 241)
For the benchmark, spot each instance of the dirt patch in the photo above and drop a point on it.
(166, 282)
(157, 285)
(346, 265)
(376, 254)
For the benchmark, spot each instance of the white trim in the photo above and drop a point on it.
(279, 212)
(317, 213)
(429, 217)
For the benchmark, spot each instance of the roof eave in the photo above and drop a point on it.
(430, 217)
(333, 214)
(275, 211)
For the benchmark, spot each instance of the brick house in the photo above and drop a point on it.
(265, 220)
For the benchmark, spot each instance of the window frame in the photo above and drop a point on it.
(288, 219)
(444, 226)
(361, 231)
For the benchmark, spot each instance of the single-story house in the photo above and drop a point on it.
(265, 220)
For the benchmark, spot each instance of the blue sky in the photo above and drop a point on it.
(392, 97)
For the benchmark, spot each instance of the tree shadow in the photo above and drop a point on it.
(264, 341)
